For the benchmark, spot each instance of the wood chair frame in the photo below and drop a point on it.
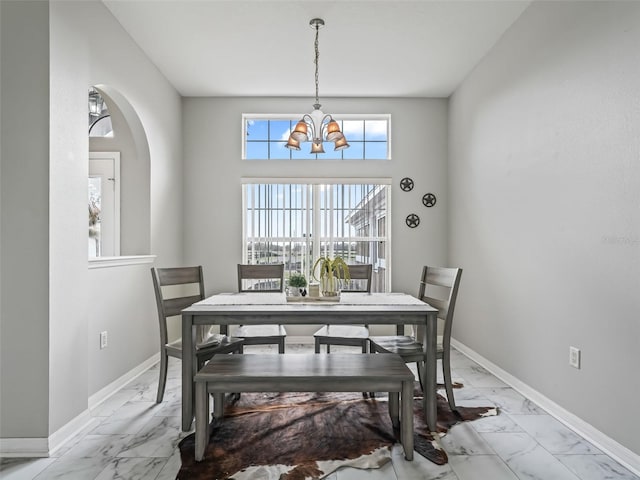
(352, 335)
(262, 334)
(170, 307)
(409, 347)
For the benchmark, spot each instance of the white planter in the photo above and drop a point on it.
(293, 291)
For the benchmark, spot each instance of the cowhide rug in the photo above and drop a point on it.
(298, 436)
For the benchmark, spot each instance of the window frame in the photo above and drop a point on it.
(98, 162)
(330, 154)
(383, 261)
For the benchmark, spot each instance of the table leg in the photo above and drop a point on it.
(188, 370)
(429, 382)
(218, 405)
(394, 408)
(202, 420)
(406, 425)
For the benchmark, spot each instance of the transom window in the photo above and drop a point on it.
(265, 137)
(296, 223)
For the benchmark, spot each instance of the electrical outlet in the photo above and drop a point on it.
(574, 357)
(103, 340)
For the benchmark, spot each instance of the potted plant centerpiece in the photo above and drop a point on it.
(297, 284)
(331, 271)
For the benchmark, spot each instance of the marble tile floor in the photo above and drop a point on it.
(137, 439)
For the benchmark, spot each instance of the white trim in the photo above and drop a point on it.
(24, 447)
(318, 180)
(115, 157)
(296, 116)
(45, 447)
(65, 433)
(103, 394)
(608, 445)
(388, 262)
(106, 262)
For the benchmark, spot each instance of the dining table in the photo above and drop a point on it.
(276, 309)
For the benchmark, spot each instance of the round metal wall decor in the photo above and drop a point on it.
(412, 220)
(429, 200)
(406, 184)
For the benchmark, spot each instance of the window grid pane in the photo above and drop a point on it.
(265, 139)
(352, 221)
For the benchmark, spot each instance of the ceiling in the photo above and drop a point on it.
(368, 48)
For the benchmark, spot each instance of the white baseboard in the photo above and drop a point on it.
(69, 430)
(608, 445)
(45, 447)
(104, 393)
(24, 447)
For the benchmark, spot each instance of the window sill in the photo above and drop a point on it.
(122, 261)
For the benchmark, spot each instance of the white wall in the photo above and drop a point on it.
(68, 166)
(122, 304)
(545, 219)
(52, 306)
(120, 299)
(24, 220)
(213, 172)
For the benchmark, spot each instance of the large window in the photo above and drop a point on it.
(265, 137)
(295, 223)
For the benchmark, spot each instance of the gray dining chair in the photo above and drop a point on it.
(179, 280)
(258, 279)
(438, 288)
(353, 335)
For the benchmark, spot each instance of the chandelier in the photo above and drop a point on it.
(317, 126)
(96, 103)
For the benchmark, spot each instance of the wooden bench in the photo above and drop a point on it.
(305, 373)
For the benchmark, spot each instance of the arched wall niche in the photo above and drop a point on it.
(130, 140)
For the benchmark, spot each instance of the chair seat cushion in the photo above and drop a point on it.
(401, 344)
(251, 331)
(343, 331)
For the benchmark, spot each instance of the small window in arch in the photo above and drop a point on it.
(265, 137)
(99, 116)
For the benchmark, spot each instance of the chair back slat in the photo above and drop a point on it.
(173, 306)
(444, 277)
(360, 278)
(439, 288)
(441, 304)
(169, 307)
(179, 275)
(270, 276)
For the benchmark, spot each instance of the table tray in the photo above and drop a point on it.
(308, 299)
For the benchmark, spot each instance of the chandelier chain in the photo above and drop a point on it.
(316, 62)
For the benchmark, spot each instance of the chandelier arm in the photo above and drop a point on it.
(308, 119)
(324, 122)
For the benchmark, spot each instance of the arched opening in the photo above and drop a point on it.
(119, 177)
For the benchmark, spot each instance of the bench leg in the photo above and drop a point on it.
(202, 419)
(394, 408)
(406, 429)
(218, 405)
